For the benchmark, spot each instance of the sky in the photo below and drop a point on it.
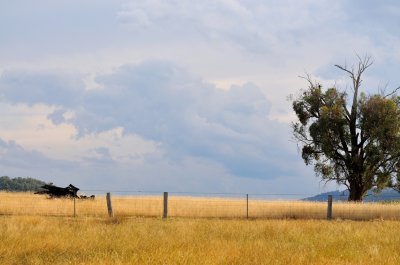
(177, 95)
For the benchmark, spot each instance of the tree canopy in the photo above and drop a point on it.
(351, 139)
(20, 184)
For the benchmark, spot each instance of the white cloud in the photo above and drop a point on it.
(31, 128)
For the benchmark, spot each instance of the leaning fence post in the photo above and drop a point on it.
(165, 211)
(247, 206)
(329, 213)
(109, 205)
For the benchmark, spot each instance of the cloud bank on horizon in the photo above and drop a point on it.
(175, 95)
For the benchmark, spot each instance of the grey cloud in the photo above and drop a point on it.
(256, 27)
(275, 28)
(166, 104)
(190, 117)
(379, 18)
(15, 156)
(57, 117)
(38, 87)
(48, 27)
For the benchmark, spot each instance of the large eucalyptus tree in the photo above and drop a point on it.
(351, 139)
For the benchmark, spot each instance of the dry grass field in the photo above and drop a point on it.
(37, 230)
(82, 240)
(178, 206)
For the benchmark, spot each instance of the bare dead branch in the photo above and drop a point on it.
(392, 93)
(350, 72)
(308, 79)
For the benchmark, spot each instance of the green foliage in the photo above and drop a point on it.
(354, 141)
(20, 184)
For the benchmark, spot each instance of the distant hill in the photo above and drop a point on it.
(20, 184)
(385, 195)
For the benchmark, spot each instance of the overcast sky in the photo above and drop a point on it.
(176, 95)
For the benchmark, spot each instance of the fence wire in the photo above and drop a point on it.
(197, 205)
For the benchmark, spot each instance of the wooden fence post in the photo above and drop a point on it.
(74, 207)
(329, 213)
(109, 205)
(165, 211)
(247, 206)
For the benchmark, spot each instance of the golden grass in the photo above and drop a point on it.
(31, 204)
(81, 240)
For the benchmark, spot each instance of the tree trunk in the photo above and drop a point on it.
(356, 192)
(356, 195)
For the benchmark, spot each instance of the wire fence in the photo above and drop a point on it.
(198, 205)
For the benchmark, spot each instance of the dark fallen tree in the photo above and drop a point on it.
(58, 192)
(55, 192)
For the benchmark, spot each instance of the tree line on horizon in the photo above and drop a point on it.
(20, 184)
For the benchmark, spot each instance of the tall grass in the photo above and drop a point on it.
(180, 206)
(81, 240)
